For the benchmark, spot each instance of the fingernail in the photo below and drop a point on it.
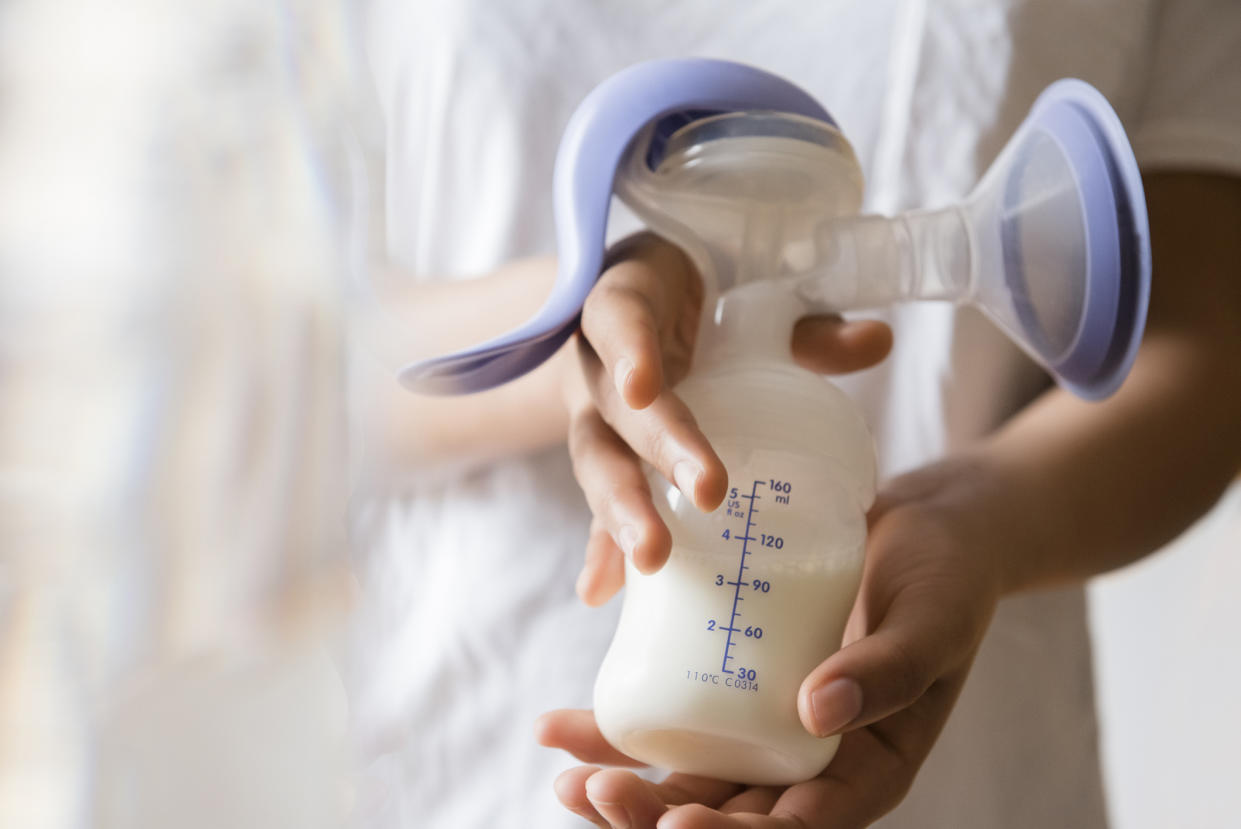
(617, 816)
(835, 705)
(621, 373)
(627, 538)
(593, 552)
(668, 818)
(686, 474)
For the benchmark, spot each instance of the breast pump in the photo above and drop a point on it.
(753, 179)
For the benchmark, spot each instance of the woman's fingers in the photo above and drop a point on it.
(622, 331)
(570, 789)
(664, 434)
(603, 573)
(690, 788)
(575, 731)
(870, 679)
(874, 768)
(869, 776)
(627, 800)
(697, 816)
(929, 610)
(635, 317)
(624, 798)
(917, 642)
(619, 496)
(756, 800)
(865, 781)
(638, 329)
(830, 345)
(616, 797)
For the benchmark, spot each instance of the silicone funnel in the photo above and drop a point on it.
(1052, 245)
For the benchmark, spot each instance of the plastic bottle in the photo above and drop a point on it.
(703, 673)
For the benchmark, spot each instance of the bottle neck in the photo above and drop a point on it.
(751, 323)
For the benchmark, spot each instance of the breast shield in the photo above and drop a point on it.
(1060, 247)
(1052, 245)
(756, 183)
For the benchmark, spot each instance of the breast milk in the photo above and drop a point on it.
(702, 675)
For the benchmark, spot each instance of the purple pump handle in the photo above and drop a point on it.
(591, 149)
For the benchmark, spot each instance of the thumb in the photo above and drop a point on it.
(916, 643)
(827, 344)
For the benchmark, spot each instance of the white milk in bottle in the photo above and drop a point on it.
(703, 673)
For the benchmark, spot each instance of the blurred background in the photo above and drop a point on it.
(183, 202)
(173, 269)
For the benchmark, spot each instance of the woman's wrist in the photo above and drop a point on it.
(986, 508)
(1003, 517)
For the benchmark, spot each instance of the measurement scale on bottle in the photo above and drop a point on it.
(745, 505)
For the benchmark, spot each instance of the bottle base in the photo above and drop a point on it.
(723, 758)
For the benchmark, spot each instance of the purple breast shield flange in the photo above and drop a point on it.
(671, 92)
(1117, 237)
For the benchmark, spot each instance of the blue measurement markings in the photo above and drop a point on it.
(745, 550)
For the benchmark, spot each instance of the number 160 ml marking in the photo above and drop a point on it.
(781, 489)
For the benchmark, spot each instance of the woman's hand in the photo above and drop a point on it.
(1064, 490)
(638, 330)
(929, 588)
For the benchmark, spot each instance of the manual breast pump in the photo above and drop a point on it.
(753, 179)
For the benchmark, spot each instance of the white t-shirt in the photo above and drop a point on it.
(468, 627)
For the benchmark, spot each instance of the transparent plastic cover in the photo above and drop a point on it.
(1036, 287)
